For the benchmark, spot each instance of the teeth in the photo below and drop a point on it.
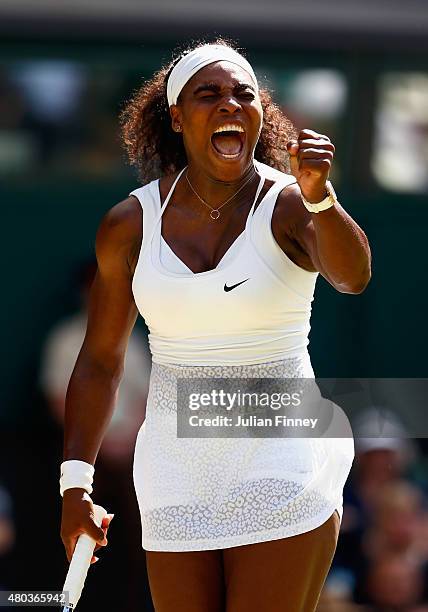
(229, 128)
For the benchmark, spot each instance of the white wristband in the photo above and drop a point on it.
(76, 474)
(328, 202)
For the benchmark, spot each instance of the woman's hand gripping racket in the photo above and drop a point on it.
(83, 554)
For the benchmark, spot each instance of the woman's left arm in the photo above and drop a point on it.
(337, 246)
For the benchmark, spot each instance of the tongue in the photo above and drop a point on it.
(227, 143)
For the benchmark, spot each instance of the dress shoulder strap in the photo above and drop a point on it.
(171, 191)
(272, 173)
(149, 201)
(281, 180)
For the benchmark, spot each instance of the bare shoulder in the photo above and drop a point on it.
(290, 220)
(122, 221)
(289, 208)
(119, 234)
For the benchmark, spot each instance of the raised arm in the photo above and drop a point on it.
(94, 383)
(337, 247)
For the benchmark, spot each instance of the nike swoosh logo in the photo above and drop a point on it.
(226, 288)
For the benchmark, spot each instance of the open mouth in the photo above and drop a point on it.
(228, 141)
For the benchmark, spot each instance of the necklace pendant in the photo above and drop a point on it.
(214, 214)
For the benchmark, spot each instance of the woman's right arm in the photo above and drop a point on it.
(94, 383)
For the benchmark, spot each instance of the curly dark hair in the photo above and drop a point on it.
(154, 149)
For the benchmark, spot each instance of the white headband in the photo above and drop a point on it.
(197, 59)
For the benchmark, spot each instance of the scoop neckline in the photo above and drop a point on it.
(188, 271)
(155, 256)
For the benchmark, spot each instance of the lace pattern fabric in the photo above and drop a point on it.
(209, 493)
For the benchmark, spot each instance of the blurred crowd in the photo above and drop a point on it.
(57, 118)
(381, 562)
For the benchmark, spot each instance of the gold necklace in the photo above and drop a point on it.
(215, 212)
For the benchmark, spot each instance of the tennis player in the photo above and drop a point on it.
(220, 255)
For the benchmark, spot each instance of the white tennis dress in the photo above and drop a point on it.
(211, 493)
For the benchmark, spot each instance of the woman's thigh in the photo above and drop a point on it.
(284, 575)
(186, 581)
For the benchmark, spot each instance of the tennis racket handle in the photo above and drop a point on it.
(81, 561)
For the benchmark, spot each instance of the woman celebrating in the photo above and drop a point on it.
(220, 256)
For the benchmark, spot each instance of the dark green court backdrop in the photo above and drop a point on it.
(49, 225)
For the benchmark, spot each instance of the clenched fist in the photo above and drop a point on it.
(311, 156)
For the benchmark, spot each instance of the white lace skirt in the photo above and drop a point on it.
(211, 493)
